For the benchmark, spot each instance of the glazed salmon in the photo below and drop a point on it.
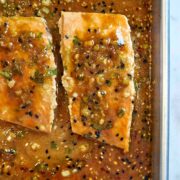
(27, 73)
(98, 62)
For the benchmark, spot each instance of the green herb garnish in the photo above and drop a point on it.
(38, 77)
(136, 86)
(49, 46)
(39, 35)
(76, 40)
(20, 134)
(101, 127)
(40, 167)
(54, 145)
(51, 72)
(68, 150)
(6, 74)
(121, 112)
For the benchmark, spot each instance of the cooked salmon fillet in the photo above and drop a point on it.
(98, 62)
(27, 73)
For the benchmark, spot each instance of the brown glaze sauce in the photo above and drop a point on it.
(25, 154)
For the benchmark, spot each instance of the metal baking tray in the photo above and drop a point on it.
(160, 78)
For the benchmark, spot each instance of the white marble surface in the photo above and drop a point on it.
(174, 156)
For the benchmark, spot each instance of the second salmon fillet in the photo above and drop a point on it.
(98, 62)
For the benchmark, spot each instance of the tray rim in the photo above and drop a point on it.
(165, 96)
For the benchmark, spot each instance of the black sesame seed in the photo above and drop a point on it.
(24, 106)
(55, 10)
(122, 65)
(130, 76)
(96, 102)
(79, 65)
(87, 56)
(69, 167)
(66, 36)
(97, 133)
(29, 113)
(20, 40)
(103, 11)
(83, 118)
(31, 171)
(6, 24)
(145, 61)
(36, 116)
(108, 82)
(116, 90)
(146, 177)
(133, 167)
(49, 157)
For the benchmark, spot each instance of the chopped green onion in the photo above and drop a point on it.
(6, 74)
(39, 35)
(51, 72)
(76, 40)
(40, 167)
(136, 85)
(101, 127)
(38, 77)
(68, 150)
(53, 145)
(121, 112)
(20, 134)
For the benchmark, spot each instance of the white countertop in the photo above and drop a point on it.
(174, 156)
